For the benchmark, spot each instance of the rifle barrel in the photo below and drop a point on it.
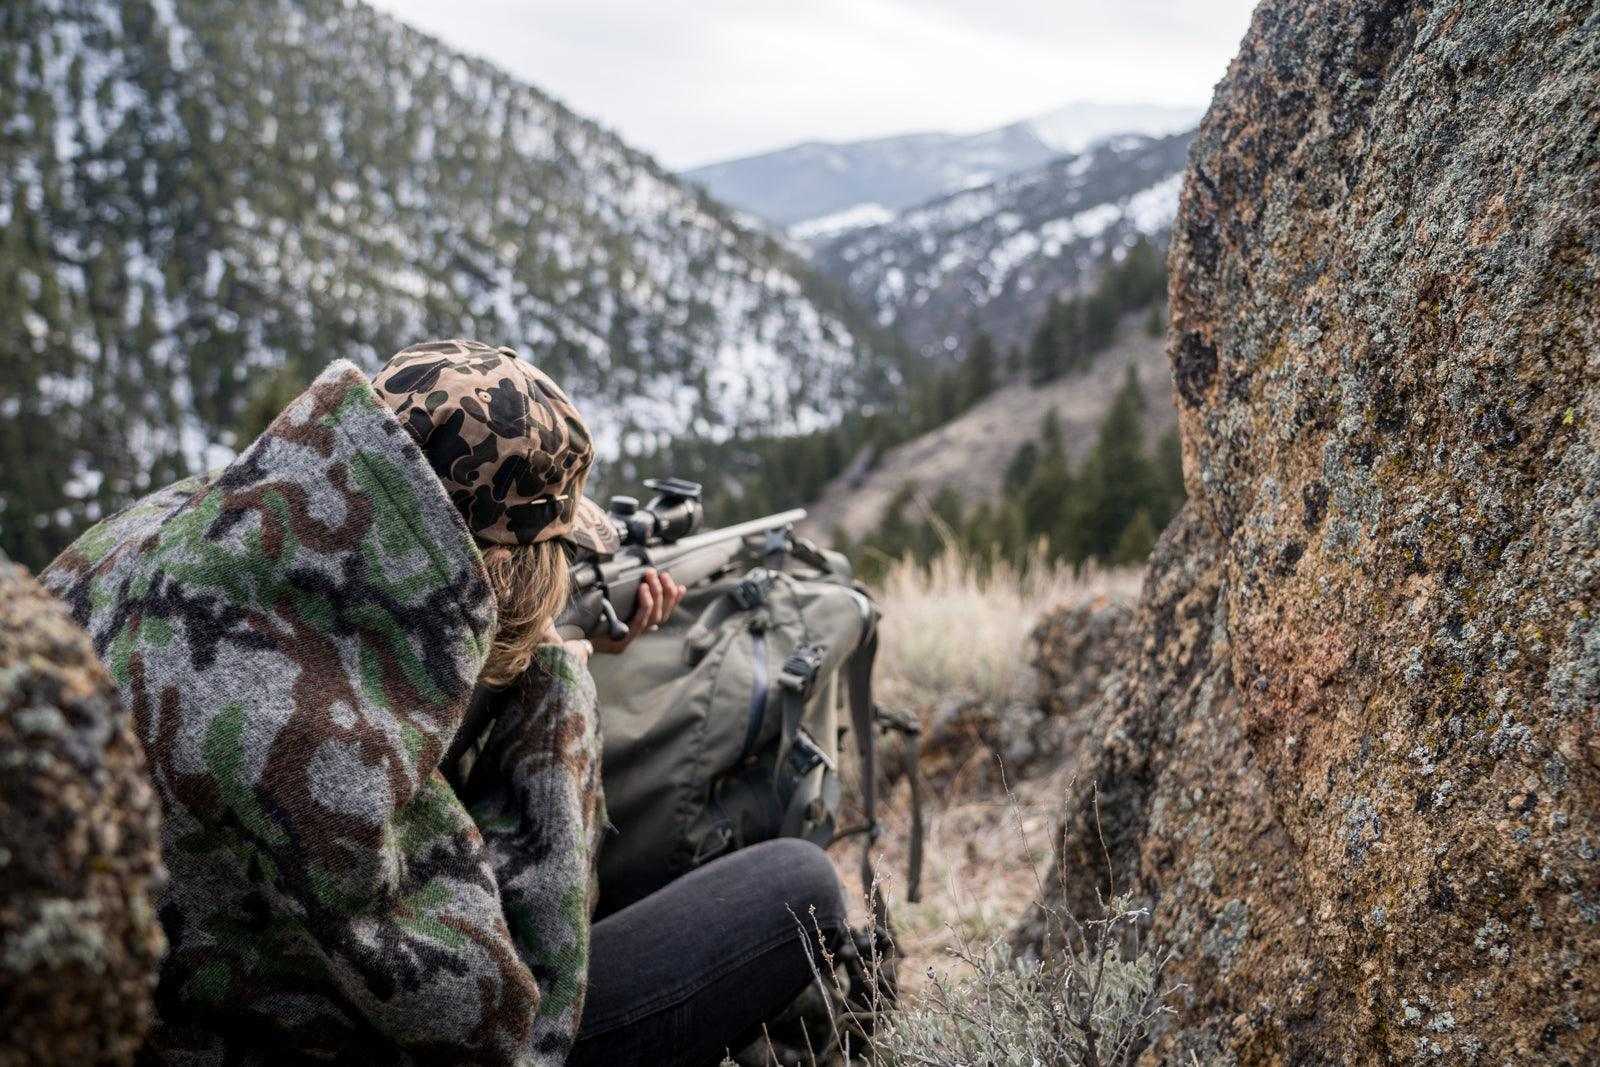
(742, 529)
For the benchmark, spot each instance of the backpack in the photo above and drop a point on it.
(722, 728)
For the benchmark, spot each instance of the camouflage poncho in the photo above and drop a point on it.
(297, 637)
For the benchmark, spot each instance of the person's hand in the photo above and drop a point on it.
(581, 648)
(658, 599)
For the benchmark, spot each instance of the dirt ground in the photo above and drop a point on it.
(984, 861)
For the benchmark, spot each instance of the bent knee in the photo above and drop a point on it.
(807, 877)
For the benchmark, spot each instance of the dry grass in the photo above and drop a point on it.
(1092, 1006)
(958, 626)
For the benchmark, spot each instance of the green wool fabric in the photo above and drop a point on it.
(297, 637)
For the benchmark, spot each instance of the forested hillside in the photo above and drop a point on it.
(202, 203)
(1066, 440)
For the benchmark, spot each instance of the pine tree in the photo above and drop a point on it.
(1116, 481)
(946, 519)
(1099, 321)
(977, 532)
(897, 530)
(1140, 278)
(1137, 540)
(1043, 354)
(981, 368)
(1011, 539)
(1046, 499)
(1052, 441)
(1019, 471)
(1072, 347)
(1016, 362)
(1155, 321)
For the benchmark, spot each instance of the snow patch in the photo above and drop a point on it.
(1077, 126)
(856, 217)
(1154, 208)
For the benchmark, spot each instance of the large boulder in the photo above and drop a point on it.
(79, 851)
(1354, 766)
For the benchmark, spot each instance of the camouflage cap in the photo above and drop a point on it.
(509, 445)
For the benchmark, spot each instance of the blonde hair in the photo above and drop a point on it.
(529, 583)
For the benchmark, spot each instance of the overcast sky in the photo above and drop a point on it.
(701, 80)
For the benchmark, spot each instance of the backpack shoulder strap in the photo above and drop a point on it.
(859, 678)
(865, 718)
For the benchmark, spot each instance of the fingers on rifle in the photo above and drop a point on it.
(671, 593)
(649, 596)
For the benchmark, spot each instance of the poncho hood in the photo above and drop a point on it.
(322, 581)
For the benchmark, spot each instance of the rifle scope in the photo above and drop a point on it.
(673, 513)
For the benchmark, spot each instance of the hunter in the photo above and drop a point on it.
(297, 637)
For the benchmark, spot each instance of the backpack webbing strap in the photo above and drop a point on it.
(911, 733)
(914, 861)
(865, 718)
(798, 753)
(859, 677)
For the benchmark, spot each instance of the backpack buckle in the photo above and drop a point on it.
(806, 754)
(899, 721)
(799, 671)
(752, 590)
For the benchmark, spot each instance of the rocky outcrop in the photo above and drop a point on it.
(79, 852)
(1078, 648)
(1354, 766)
(972, 742)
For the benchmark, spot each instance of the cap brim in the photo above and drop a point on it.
(592, 529)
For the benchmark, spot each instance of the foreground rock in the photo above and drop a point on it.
(79, 858)
(1355, 764)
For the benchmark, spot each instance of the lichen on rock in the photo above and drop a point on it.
(79, 854)
(1367, 689)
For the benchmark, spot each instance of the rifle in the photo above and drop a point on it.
(663, 534)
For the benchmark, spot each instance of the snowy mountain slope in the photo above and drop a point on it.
(826, 187)
(193, 195)
(992, 257)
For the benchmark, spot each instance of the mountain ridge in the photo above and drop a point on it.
(811, 180)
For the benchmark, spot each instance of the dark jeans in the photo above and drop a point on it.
(695, 969)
